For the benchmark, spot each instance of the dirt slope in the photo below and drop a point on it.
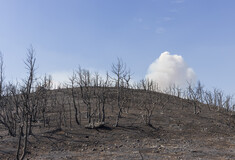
(176, 133)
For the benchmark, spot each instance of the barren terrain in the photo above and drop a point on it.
(176, 133)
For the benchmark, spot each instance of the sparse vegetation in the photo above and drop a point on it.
(32, 108)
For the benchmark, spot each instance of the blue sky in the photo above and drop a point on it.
(93, 33)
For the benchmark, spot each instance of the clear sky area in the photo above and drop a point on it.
(93, 33)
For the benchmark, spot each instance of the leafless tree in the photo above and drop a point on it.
(216, 93)
(120, 75)
(194, 98)
(69, 101)
(85, 84)
(228, 102)
(26, 107)
(148, 106)
(61, 105)
(7, 111)
(156, 100)
(42, 92)
(101, 89)
(200, 91)
(54, 103)
(148, 101)
(147, 84)
(75, 99)
(208, 99)
(8, 117)
(220, 96)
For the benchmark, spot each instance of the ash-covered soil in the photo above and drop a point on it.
(176, 133)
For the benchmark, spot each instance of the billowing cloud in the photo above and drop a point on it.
(170, 70)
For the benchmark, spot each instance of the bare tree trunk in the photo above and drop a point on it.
(103, 113)
(30, 124)
(70, 113)
(19, 142)
(26, 91)
(72, 80)
(44, 120)
(122, 77)
(25, 137)
(76, 112)
(89, 113)
(195, 107)
(118, 117)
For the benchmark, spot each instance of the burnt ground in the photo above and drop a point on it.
(175, 133)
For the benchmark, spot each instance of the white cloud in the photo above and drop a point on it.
(170, 70)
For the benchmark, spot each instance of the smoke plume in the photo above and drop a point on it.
(170, 70)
